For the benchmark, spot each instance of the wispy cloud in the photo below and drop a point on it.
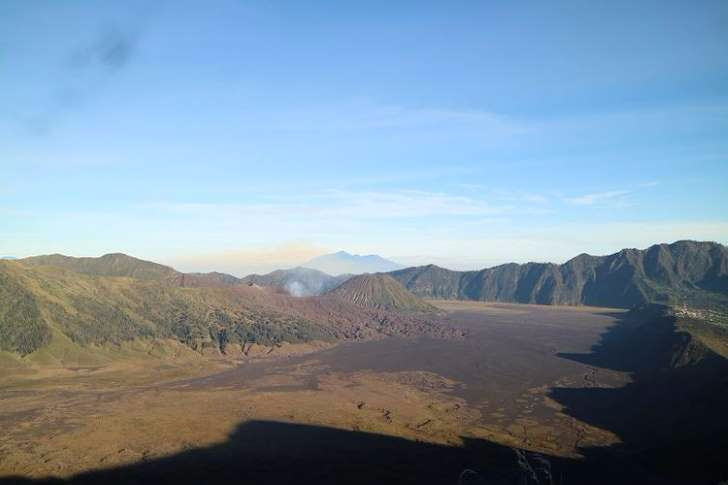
(370, 116)
(597, 197)
(521, 196)
(553, 243)
(336, 204)
(404, 204)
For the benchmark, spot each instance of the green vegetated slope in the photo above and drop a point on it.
(119, 264)
(694, 273)
(37, 303)
(22, 327)
(380, 291)
(709, 331)
(115, 264)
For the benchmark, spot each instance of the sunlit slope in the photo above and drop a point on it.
(119, 264)
(36, 302)
(48, 307)
(380, 291)
(115, 264)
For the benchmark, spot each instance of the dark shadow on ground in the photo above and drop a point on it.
(673, 418)
(267, 452)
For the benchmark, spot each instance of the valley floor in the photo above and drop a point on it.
(495, 385)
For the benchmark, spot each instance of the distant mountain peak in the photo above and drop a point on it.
(342, 262)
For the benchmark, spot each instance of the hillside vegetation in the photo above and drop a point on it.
(115, 264)
(40, 304)
(117, 298)
(118, 264)
(96, 310)
(685, 272)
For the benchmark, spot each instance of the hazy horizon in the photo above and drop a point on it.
(242, 264)
(241, 138)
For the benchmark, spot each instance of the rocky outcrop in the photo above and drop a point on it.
(685, 271)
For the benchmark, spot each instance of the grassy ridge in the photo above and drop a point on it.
(89, 310)
(114, 264)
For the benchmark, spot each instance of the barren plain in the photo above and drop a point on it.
(493, 385)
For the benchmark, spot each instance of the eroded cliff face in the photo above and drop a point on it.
(684, 271)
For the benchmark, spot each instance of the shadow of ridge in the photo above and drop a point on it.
(270, 452)
(672, 418)
(637, 343)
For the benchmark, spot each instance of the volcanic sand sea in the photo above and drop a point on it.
(492, 384)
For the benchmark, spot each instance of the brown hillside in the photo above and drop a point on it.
(380, 291)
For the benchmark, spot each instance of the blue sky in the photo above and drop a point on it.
(240, 136)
